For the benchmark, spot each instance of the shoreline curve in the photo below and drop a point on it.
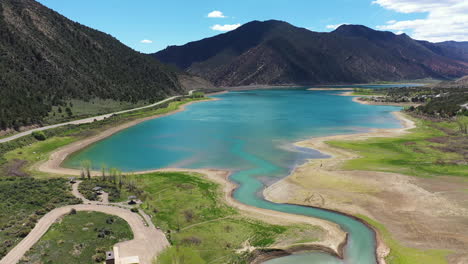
(53, 165)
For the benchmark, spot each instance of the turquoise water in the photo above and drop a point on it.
(251, 133)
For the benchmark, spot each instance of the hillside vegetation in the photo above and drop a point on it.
(81, 237)
(443, 100)
(24, 202)
(46, 60)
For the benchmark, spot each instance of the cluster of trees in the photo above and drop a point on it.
(24, 201)
(445, 106)
(111, 180)
(48, 61)
(436, 101)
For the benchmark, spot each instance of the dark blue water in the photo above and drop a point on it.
(251, 133)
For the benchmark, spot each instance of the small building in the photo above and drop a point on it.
(110, 258)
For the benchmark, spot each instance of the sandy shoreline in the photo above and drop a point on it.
(330, 89)
(337, 156)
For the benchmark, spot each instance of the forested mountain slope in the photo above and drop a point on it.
(47, 59)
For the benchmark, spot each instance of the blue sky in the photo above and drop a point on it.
(177, 22)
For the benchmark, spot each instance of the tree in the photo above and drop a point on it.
(39, 135)
(462, 123)
(103, 171)
(69, 111)
(86, 167)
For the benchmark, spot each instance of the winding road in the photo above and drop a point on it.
(89, 119)
(147, 241)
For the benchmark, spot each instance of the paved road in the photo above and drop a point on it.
(87, 120)
(146, 243)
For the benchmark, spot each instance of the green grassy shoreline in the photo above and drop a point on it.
(430, 149)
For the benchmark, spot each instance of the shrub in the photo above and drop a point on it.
(39, 135)
(99, 257)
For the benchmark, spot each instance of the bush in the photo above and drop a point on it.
(99, 257)
(198, 95)
(39, 135)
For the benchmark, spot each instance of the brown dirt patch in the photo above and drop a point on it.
(14, 168)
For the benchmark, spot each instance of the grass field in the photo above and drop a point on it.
(79, 238)
(201, 225)
(404, 255)
(24, 201)
(431, 149)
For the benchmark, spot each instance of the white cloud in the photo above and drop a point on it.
(335, 26)
(391, 22)
(216, 14)
(146, 41)
(445, 20)
(218, 27)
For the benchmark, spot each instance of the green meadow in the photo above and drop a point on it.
(431, 149)
(190, 209)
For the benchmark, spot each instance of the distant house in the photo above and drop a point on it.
(110, 258)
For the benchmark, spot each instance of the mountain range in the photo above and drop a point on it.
(275, 53)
